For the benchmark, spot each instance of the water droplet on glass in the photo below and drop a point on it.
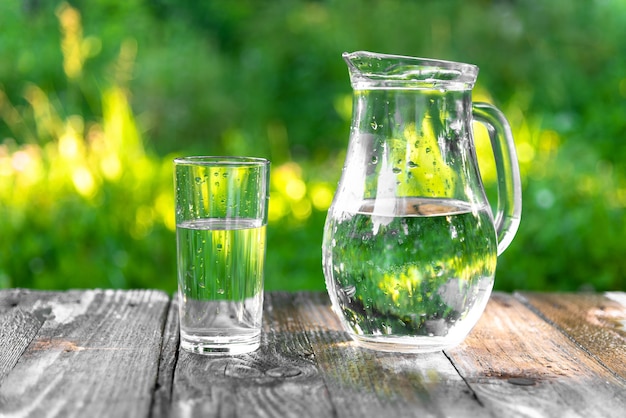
(225, 175)
(198, 180)
(396, 170)
(374, 125)
(219, 247)
(374, 159)
(221, 291)
(427, 149)
(217, 184)
(350, 291)
(411, 164)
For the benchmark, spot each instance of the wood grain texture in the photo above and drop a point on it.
(520, 365)
(363, 382)
(18, 327)
(162, 400)
(280, 379)
(116, 353)
(594, 321)
(96, 354)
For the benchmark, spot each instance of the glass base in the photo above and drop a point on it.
(406, 344)
(220, 345)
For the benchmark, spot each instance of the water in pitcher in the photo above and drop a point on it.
(425, 269)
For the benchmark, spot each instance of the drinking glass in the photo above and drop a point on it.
(221, 218)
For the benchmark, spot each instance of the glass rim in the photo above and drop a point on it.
(221, 161)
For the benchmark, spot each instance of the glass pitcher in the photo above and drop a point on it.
(410, 241)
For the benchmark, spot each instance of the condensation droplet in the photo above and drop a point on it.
(374, 159)
(198, 180)
(412, 164)
(396, 170)
(350, 291)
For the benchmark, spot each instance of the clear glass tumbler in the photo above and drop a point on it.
(221, 219)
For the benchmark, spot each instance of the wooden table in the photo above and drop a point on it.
(114, 353)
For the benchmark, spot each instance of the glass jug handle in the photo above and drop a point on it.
(509, 207)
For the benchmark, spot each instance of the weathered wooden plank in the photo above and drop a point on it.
(278, 380)
(17, 329)
(520, 365)
(95, 355)
(363, 382)
(619, 297)
(161, 403)
(594, 321)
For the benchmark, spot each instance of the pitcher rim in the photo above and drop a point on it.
(371, 70)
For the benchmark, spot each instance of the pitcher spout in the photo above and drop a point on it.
(372, 70)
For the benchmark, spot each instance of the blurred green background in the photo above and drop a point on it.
(98, 96)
